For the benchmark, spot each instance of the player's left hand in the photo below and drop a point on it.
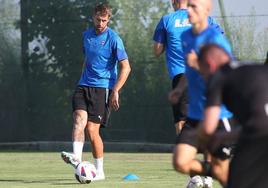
(114, 100)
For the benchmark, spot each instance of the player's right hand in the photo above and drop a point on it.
(114, 100)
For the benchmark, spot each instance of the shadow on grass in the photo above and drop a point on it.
(45, 181)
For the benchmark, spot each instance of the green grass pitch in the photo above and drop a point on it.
(47, 170)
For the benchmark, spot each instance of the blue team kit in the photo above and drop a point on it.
(102, 53)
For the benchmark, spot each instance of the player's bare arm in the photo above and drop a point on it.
(175, 94)
(209, 125)
(159, 48)
(123, 75)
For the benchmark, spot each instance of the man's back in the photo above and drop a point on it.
(245, 93)
(168, 32)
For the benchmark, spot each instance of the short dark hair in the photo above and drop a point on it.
(205, 50)
(103, 9)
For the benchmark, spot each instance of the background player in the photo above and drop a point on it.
(103, 50)
(244, 90)
(167, 38)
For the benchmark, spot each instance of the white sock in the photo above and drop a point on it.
(78, 150)
(99, 164)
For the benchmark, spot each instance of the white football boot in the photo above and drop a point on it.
(99, 176)
(208, 182)
(195, 182)
(69, 158)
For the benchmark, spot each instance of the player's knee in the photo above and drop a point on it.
(93, 131)
(78, 130)
(181, 166)
(80, 121)
(79, 124)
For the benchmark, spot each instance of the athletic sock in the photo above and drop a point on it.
(207, 168)
(78, 150)
(99, 164)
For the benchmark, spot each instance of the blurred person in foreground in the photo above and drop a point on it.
(243, 88)
(98, 88)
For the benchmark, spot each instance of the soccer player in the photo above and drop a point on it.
(187, 147)
(167, 37)
(98, 88)
(244, 91)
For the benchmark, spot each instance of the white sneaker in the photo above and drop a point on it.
(69, 158)
(195, 182)
(99, 176)
(208, 182)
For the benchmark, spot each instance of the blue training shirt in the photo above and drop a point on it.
(168, 32)
(102, 53)
(196, 83)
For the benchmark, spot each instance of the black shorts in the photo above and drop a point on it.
(180, 109)
(95, 101)
(249, 165)
(189, 136)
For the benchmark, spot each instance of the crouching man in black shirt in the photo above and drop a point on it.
(244, 90)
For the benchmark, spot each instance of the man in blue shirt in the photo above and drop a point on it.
(167, 37)
(187, 142)
(98, 88)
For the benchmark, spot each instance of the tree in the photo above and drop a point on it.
(11, 80)
(247, 42)
(145, 95)
(52, 59)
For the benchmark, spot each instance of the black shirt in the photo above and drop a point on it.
(244, 90)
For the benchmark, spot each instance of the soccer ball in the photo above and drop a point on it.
(195, 182)
(85, 172)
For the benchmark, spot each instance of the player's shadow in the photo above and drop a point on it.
(45, 181)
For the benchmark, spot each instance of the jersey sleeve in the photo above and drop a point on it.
(119, 49)
(214, 90)
(212, 22)
(160, 32)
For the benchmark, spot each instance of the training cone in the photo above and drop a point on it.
(131, 177)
